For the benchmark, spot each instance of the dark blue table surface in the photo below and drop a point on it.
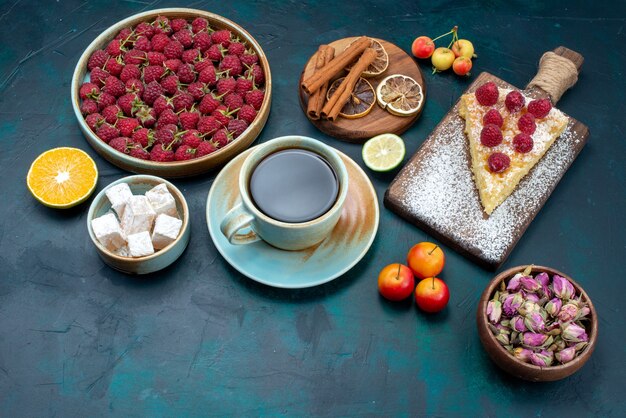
(79, 339)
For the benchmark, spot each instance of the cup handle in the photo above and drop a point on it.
(236, 219)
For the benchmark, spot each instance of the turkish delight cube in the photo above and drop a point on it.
(138, 215)
(107, 230)
(118, 195)
(166, 229)
(140, 244)
(162, 200)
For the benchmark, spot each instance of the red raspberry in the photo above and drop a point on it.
(236, 48)
(185, 37)
(255, 98)
(135, 86)
(493, 117)
(88, 90)
(121, 144)
(114, 67)
(540, 108)
(205, 148)
(145, 29)
(243, 85)
(208, 104)
(232, 65)
(94, 121)
(526, 124)
(514, 101)
(170, 84)
(490, 136)
(249, 59)
(226, 85)
(152, 73)
(105, 99)
(143, 136)
(129, 72)
(98, 76)
(222, 115)
(237, 127)
(221, 37)
(129, 103)
(160, 153)
(183, 100)
(146, 116)
(107, 132)
(222, 138)
(190, 56)
(208, 76)
(114, 48)
(185, 152)
(199, 24)
(143, 44)
(155, 58)
(256, 73)
(153, 90)
(186, 74)
(162, 25)
(124, 34)
(97, 59)
(248, 114)
(214, 53)
(161, 104)
(233, 101)
(197, 90)
(498, 162)
(202, 41)
(208, 125)
(166, 135)
(138, 152)
(159, 41)
(487, 94)
(178, 24)
(189, 119)
(127, 126)
(172, 64)
(111, 113)
(173, 49)
(135, 57)
(191, 138)
(522, 143)
(202, 64)
(88, 107)
(167, 117)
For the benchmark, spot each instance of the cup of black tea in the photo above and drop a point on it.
(292, 192)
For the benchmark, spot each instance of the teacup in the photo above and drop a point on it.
(246, 223)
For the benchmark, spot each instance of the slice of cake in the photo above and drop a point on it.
(508, 134)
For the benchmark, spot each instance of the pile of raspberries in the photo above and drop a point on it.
(172, 90)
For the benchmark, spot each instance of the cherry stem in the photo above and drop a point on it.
(454, 29)
(455, 36)
(398, 274)
(431, 251)
(433, 283)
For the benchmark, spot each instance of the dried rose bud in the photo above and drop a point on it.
(517, 324)
(560, 344)
(543, 278)
(534, 322)
(563, 288)
(522, 354)
(543, 358)
(568, 312)
(512, 303)
(574, 333)
(584, 311)
(532, 339)
(494, 311)
(553, 307)
(530, 284)
(532, 297)
(566, 355)
(528, 307)
(503, 338)
(514, 284)
(580, 346)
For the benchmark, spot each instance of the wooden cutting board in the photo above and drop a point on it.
(435, 189)
(378, 121)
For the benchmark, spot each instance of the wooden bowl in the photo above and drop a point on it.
(139, 184)
(516, 367)
(176, 168)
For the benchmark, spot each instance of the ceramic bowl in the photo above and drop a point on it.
(139, 184)
(175, 168)
(516, 367)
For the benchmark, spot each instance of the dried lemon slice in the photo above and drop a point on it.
(400, 95)
(379, 65)
(361, 99)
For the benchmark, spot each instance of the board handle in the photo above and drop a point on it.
(558, 71)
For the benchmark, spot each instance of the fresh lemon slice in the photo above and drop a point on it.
(361, 100)
(379, 65)
(400, 95)
(62, 177)
(383, 152)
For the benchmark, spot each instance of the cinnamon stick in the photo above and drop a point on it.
(339, 98)
(324, 55)
(317, 79)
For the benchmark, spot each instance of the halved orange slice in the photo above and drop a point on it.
(361, 99)
(62, 177)
(379, 65)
